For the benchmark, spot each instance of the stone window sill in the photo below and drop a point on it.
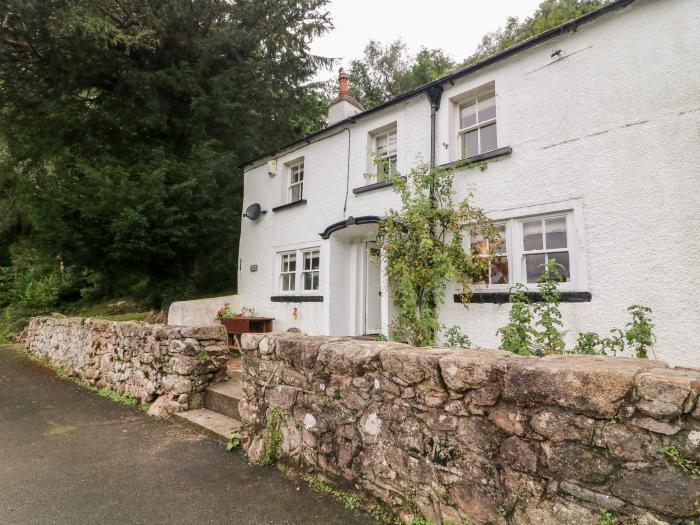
(289, 205)
(535, 297)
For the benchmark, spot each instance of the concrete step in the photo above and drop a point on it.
(218, 426)
(224, 397)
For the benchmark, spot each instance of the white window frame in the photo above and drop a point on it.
(516, 253)
(379, 160)
(304, 271)
(475, 95)
(293, 168)
(281, 273)
(299, 271)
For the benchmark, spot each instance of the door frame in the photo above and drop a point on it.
(367, 246)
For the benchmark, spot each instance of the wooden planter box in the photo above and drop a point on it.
(245, 325)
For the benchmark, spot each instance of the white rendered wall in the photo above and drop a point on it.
(614, 127)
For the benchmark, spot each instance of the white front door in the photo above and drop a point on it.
(373, 289)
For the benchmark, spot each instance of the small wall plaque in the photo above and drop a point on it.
(253, 267)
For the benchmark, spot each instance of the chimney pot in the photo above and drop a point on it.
(342, 82)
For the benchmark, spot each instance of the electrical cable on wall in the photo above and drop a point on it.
(347, 177)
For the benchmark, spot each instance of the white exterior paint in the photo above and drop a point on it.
(611, 131)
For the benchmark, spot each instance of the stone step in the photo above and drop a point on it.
(224, 397)
(217, 426)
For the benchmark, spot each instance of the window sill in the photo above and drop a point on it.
(289, 205)
(493, 154)
(373, 186)
(296, 298)
(535, 297)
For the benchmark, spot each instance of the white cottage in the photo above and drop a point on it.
(591, 132)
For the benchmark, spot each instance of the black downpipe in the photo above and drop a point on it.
(434, 96)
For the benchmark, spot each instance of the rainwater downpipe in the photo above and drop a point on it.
(434, 96)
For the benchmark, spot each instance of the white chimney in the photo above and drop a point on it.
(343, 106)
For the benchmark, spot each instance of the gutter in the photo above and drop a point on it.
(571, 25)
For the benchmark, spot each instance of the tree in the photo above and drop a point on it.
(549, 14)
(423, 244)
(386, 71)
(128, 119)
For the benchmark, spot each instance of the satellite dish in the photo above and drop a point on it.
(254, 211)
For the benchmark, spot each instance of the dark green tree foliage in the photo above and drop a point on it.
(387, 71)
(125, 123)
(549, 14)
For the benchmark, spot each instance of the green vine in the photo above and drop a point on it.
(684, 463)
(423, 243)
(549, 338)
(517, 335)
(273, 438)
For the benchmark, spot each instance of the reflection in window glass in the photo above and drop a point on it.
(532, 235)
(488, 138)
(477, 123)
(555, 228)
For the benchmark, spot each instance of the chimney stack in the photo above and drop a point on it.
(344, 105)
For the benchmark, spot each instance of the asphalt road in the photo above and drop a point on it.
(69, 456)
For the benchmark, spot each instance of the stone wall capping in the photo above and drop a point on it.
(468, 432)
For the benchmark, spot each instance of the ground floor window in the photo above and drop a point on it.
(305, 278)
(523, 248)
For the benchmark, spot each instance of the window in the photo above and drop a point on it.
(310, 273)
(523, 247)
(306, 278)
(545, 239)
(288, 272)
(296, 181)
(497, 271)
(477, 123)
(385, 151)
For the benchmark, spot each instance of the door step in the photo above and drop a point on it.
(216, 425)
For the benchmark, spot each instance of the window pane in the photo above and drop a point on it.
(468, 115)
(534, 266)
(562, 265)
(296, 192)
(311, 281)
(488, 138)
(487, 108)
(555, 229)
(499, 270)
(470, 144)
(532, 235)
(315, 260)
(292, 263)
(500, 247)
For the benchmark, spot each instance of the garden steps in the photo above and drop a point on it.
(216, 425)
(219, 418)
(224, 397)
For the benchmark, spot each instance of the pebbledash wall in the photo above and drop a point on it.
(606, 128)
(477, 435)
(171, 365)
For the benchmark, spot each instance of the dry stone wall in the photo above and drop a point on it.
(478, 436)
(171, 365)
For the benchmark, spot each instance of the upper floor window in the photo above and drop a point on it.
(477, 123)
(523, 247)
(385, 154)
(296, 181)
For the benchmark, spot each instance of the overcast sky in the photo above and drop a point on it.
(452, 25)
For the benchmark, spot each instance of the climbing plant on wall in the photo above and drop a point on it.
(423, 245)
